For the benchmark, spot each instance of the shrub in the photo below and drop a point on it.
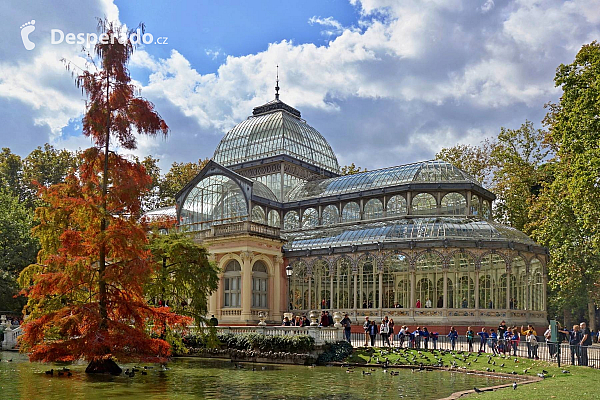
(256, 341)
(338, 351)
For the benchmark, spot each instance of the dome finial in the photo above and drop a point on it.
(277, 85)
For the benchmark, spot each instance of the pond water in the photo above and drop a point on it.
(196, 378)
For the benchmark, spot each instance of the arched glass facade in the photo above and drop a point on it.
(215, 200)
(331, 215)
(260, 283)
(424, 204)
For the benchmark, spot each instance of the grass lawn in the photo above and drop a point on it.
(580, 382)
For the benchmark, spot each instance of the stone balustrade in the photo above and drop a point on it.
(321, 335)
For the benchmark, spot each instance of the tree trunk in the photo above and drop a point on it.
(102, 367)
(568, 318)
(592, 314)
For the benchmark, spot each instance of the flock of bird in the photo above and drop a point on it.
(423, 359)
(128, 372)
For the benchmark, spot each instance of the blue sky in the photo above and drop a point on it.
(386, 82)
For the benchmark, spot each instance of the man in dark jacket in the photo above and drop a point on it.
(347, 324)
(213, 321)
(329, 317)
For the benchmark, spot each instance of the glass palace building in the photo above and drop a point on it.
(415, 242)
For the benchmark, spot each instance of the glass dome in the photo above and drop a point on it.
(275, 129)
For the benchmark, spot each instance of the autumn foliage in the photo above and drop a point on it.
(86, 293)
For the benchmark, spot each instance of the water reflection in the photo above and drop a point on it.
(194, 378)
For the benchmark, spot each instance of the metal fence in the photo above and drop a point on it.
(569, 355)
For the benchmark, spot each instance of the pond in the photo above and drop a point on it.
(197, 378)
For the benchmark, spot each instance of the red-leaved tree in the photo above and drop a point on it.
(86, 297)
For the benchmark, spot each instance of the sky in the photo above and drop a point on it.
(386, 82)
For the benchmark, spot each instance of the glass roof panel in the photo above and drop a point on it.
(403, 230)
(427, 171)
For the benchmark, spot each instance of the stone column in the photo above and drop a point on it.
(276, 310)
(212, 301)
(310, 279)
(246, 286)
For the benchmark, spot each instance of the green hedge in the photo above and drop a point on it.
(335, 352)
(256, 341)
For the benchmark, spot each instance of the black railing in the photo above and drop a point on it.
(569, 355)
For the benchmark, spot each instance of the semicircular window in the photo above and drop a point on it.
(274, 218)
(351, 212)
(214, 200)
(258, 214)
(454, 204)
(291, 220)
(396, 205)
(373, 209)
(310, 218)
(424, 204)
(330, 215)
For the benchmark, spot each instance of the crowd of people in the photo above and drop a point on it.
(503, 340)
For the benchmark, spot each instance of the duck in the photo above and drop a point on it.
(51, 372)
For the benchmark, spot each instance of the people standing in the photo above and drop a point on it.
(324, 320)
(494, 342)
(213, 321)
(329, 318)
(574, 340)
(401, 335)
(425, 334)
(391, 325)
(434, 339)
(373, 332)
(366, 326)
(417, 338)
(483, 337)
(551, 346)
(586, 341)
(347, 324)
(470, 335)
(418, 305)
(384, 331)
(532, 344)
(515, 340)
(428, 304)
(526, 333)
(286, 322)
(453, 335)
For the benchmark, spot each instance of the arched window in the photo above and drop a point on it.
(216, 199)
(396, 282)
(291, 220)
(331, 215)
(310, 218)
(260, 279)
(424, 204)
(368, 291)
(518, 284)
(486, 210)
(396, 205)
(322, 279)
(492, 267)
(475, 205)
(351, 212)
(300, 298)
(232, 284)
(343, 295)
(274, 219)
(461, 272)
(536, 285)
(454, 204)
(258, 214)
(428, 271)
(373, 209)
(502, 287)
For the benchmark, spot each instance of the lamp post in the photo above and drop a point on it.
(288, 271)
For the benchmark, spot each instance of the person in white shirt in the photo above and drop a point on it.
(428, 304)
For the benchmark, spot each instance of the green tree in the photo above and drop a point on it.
(152, 199)
(17, 247)
(185, 278)
(351, 169)
(474, 160)
(176, 178)
(11, 173)
(569, 215)
(46, 166)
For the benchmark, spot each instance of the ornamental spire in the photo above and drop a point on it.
(277, 85)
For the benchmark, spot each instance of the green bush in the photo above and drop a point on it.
(335, 352)
(256, 341)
